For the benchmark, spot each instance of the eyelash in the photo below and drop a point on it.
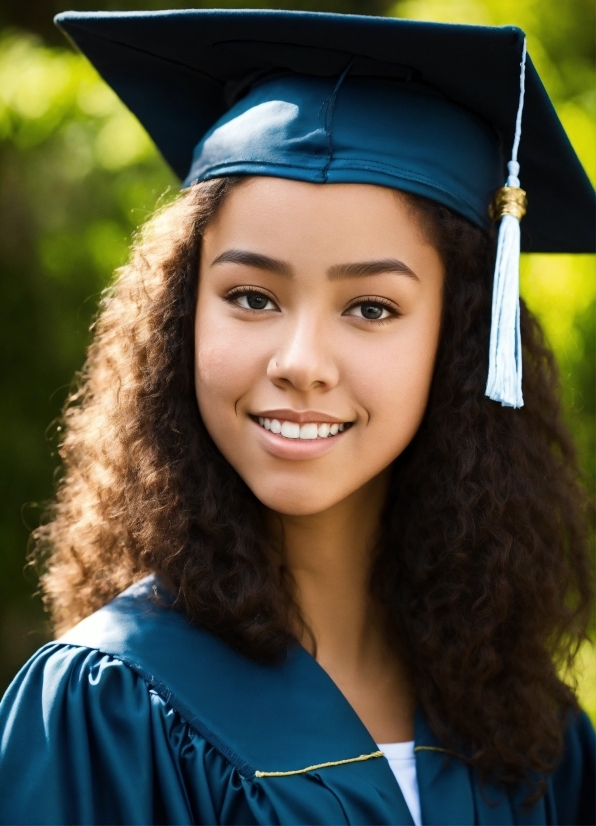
(239, 292)
(381, 302)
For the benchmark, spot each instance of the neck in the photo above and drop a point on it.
(330, 556)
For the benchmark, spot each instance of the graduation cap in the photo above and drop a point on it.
(428, 108)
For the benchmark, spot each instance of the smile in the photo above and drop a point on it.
(306, 431)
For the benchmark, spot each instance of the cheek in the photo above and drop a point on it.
(224, 369)
(394, 383)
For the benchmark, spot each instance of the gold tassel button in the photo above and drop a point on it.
(509, 200)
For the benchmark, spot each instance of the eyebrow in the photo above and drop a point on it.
(337, 271)
(254, 259)
(364, 268)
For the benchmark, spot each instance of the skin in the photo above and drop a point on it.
(306, 347)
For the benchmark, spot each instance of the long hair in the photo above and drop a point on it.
(483, 562)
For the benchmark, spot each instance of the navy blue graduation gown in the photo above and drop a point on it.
(138, 717)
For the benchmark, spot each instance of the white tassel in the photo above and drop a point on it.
(505, 355)
(505, 363)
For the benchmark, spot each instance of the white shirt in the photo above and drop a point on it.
(403, 765)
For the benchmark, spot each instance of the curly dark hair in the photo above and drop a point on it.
(483, 562)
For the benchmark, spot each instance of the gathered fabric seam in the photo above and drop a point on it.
(329, 116)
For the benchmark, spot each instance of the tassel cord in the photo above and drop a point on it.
(505, 357)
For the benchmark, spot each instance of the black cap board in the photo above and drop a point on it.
(180, 71)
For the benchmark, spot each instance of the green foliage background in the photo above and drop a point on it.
(78, 175)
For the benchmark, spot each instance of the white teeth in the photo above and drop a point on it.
(291, 430)
(309, 431)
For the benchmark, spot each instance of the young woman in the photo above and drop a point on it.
(304, 569)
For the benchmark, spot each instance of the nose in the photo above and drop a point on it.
(304, 360)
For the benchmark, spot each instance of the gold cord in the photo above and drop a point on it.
(322, 765)
(437, 748)
(509, 200)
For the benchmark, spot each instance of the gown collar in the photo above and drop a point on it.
(272, 721)
(265, 718)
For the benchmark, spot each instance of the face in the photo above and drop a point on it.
(317, 325)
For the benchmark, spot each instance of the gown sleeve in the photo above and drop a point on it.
(85, 740)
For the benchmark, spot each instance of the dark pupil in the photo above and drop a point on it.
(256, 301)
(372, 311)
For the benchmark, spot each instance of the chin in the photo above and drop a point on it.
(295, 502)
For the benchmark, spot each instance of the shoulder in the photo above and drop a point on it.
(77, 676)
(60, 677)
(76, 722)
(68, 700)
(101, 673)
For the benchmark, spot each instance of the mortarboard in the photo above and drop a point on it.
(428, 108)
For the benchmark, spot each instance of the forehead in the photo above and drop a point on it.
(315, 226)
(270, 205)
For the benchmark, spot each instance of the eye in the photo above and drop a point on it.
(250, 300)
(372, 310)
(254, 301)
